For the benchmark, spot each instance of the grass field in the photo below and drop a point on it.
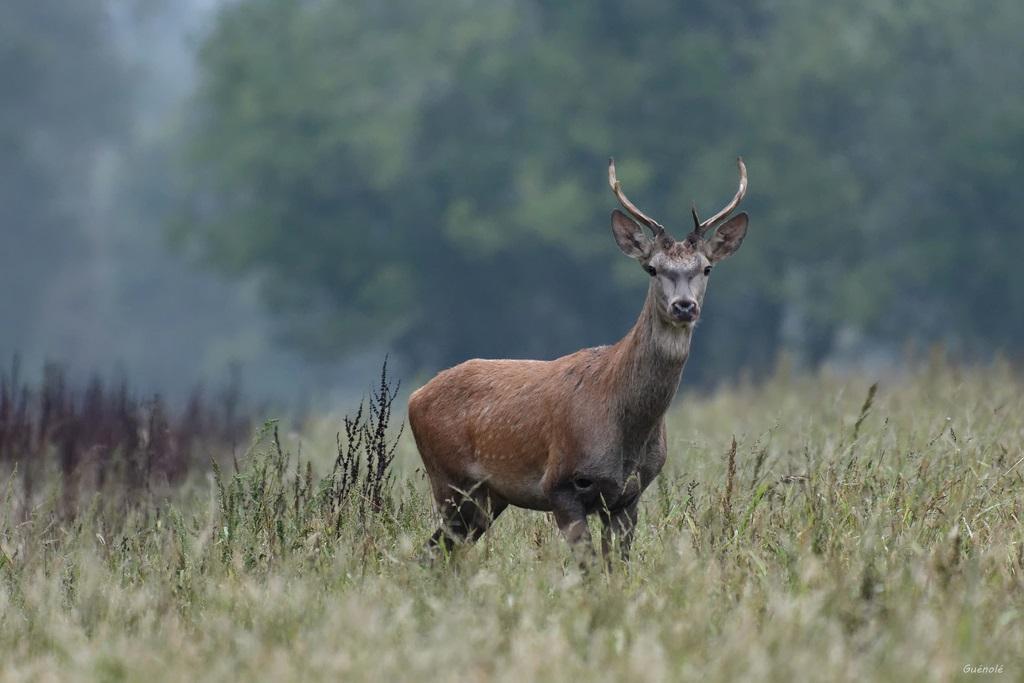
(859, 535)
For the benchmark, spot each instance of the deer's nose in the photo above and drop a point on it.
(685, 310)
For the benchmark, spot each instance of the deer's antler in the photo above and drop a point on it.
(655, 227)
(700, 228)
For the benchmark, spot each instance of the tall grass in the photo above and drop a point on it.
(69, 441)
(809, 528)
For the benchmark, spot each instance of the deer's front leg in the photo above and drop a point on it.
(621, 523)
(571, 518)
(570, 502)
(620, 520)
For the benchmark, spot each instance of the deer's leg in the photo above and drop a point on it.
(620, 522)
(465, 516)
(606, 537)
(570, 510)
(572, 522)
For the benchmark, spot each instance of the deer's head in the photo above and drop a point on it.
(679, 268)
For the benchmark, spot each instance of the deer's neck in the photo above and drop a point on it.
(649, 363)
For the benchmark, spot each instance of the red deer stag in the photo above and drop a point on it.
(583, 433)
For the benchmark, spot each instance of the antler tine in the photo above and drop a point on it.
(657, 228)
(702, 227)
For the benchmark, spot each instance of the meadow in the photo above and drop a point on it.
(807, 527)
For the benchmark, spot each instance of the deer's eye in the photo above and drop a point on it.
(650, 270)
(707, 271)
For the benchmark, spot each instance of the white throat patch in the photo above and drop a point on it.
(673, 342)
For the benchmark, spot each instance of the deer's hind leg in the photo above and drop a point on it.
(466, 514)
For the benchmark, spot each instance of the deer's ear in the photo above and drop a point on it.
(630, 236)
(728, 238)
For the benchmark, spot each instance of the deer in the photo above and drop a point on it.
(580, 434)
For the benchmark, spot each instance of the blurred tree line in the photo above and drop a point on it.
(90, 134)
(432, 176)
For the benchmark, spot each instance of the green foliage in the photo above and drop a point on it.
(433, 176)
(270, 508)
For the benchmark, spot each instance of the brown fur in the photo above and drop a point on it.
(499, 432)
(580, 434)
